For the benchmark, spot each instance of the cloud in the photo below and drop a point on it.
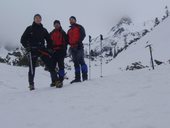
(97, 16)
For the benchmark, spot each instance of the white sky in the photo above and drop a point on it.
(97, 16)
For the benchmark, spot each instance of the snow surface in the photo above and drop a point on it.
(129, 99)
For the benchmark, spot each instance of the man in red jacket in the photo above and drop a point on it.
(59, 45)
(76, 35)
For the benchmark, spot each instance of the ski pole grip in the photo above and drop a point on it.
(90, 39)
(101, 37)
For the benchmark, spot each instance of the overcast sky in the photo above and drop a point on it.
(97, 16)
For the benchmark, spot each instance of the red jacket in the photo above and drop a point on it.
(59, 39)
(76, 35)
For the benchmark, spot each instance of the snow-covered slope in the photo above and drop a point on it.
(124, 34)
(131, 99)
(159, 39)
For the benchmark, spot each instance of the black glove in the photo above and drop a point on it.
(80, 45)
(50, 51)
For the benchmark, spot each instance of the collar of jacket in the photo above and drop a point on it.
(37, 25)
(56, 30)
(73, 25)
(60, 29)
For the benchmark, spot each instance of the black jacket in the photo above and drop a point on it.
(36, 36)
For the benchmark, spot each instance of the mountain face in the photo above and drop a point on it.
(121, 36)
(138, 54)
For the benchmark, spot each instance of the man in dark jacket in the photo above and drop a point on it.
(59, 45)
(34, 39)
(76, 35)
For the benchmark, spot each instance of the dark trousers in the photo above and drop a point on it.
(58, 61)
(79, 63)
(47, 61)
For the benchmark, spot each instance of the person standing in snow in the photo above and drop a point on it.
(59, 45)
(76, 35)
(33, 40)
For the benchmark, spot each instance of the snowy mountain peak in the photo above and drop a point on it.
(121, 25)
(124, 33)
(125, 20)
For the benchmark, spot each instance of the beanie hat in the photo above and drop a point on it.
(56, 22)
(37, 15)
(73, 17)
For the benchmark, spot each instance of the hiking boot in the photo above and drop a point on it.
(84, 79)
(31, 87)
(59, 84)
(52, 84)
(84, 76)
(75, 81)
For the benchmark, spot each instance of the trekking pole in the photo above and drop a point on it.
(30, 60)
(150, 49)
(101, 61)
(90, 40)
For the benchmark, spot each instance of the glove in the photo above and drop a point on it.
(51, 51)
(79, 46)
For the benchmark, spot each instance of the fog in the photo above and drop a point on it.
(96, 16)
